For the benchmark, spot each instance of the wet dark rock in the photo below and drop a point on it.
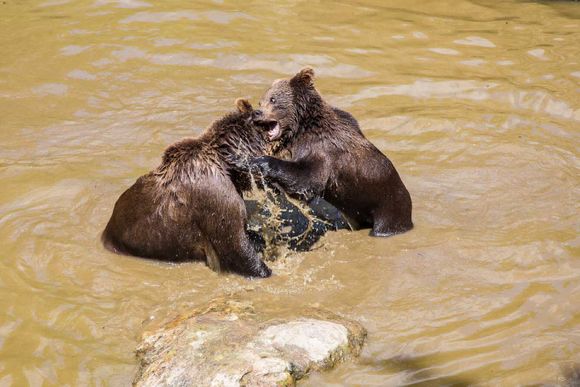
(229, 343)
(297, 226)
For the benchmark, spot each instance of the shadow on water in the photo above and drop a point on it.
(417, 371)
(560, 6)
(572, 376)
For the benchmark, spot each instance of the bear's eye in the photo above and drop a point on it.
(272, 100)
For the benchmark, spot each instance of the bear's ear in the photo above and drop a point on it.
(244, 106)
(304, 77)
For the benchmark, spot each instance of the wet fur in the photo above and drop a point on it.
(323, 152)
(190, 207)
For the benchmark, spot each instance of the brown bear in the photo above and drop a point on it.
(190, 207)
(322, 152)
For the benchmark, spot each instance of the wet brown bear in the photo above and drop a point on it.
(190, 207)
(327, 155)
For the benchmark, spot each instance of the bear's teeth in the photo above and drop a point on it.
(274, 133)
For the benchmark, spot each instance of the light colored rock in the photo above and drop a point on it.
(228, 343)
(316, 338)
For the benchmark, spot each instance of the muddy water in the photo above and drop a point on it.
(476, 102)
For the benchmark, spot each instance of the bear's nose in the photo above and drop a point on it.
(257, 115)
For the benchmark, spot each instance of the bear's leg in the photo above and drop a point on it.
(394, 214)
(232, 250)
(382, 229)
(222, 219)
(386, 223)
(237, 254)
(304, 179)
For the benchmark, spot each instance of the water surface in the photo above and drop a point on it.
(477, 103)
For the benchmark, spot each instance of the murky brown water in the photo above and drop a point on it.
(476, 102)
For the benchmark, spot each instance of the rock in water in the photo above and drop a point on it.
(283, 222)
(226, 343)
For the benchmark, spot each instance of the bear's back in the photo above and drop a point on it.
(347, 120)
(188, 159)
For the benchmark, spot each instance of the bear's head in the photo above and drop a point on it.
(290, 104)
(240, 135)
(254, 118)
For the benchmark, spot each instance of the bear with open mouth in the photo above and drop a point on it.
(191, 207)
(323, 153)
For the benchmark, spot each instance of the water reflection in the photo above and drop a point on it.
(475, 102)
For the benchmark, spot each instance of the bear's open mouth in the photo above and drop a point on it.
(275, 132)
(272, 127)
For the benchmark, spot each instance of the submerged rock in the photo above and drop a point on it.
(226, 343)
(276, 220)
